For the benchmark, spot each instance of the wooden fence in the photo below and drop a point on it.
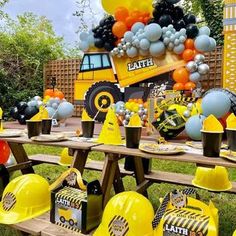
(66, 71)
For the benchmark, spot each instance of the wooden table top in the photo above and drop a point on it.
(68, 143)
(185, 157)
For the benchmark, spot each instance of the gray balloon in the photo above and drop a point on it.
(132, 52)
(179, 49)
(203, 69)
(199, 58)
(157, 49)
(143, 52)
(202, 43)
(65, 110)
(137, 26)
(153, 32)
(51, 112)
(213, 45)
(195, 77)
(84, 46)
(191, 66)
(145, 44)
(37, 98)
(187, 114)
(55, 105)
(204, 31)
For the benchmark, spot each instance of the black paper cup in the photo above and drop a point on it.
(87, 128)
(129, 164)
(211, 142)
(34, 128)
(133, 136)
(231, 138)
(46, 126)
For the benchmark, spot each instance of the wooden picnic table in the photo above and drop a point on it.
(112, 172)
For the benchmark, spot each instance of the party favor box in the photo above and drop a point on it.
(76, 209)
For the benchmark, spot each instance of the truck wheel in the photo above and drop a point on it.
(62, 219)
(71, 222)
(100, 97)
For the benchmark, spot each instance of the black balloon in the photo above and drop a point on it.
(156, 14)
(21, 119)
(190, 19)
(173, 1)
(21, 107)
(14, 113)
(165, 20)
(30, 112)
(99, 43)
(192, 31)
(108, 46)
(178, 13)
(180, 25)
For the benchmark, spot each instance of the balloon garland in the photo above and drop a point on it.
(132, 33)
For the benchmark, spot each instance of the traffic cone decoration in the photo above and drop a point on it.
(42, 114)
(110, 133)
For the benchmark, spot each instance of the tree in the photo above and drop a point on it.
(26, 44)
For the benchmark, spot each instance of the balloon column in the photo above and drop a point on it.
(54, 101)
(125, 110)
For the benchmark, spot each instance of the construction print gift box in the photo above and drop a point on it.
(74, 205)
(180, 215)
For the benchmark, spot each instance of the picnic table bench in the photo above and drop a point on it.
(112, 172)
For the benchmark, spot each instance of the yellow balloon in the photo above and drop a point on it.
(111, 6)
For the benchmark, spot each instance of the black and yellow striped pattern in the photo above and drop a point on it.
(67, 226)
(71, 194)
(9, 201)
(190, 220)
(122, 224)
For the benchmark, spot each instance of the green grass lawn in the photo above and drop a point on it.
(226, 203)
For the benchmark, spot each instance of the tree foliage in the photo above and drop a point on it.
(25, 45)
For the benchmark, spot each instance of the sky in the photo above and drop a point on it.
(59, 12)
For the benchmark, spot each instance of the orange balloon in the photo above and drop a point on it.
(59, 94)
(178, 86)
(121, 13)
(129, 21)
(181, 75)
(188, 55)
(119, 29)
(141, 19)
(189, 44)
(146, 19)
(49, 92)
(189, 86)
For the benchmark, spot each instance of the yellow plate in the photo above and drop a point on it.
(161, 149)
(198, 145)
(49, 138)
(230, 156)
(10, 133)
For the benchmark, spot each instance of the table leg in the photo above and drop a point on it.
(80, 158)
(118, 183)
(108, 176)
(139, 174)
(21, 156)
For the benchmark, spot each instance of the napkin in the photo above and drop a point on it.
(135, 120)
(212, 124)
(85, 116)
(231, 121)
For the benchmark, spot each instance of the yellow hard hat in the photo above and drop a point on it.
(129, 214)
(65, 159)
(215, 179)
(25, 197)
(234, 234)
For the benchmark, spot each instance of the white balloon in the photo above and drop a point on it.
(132, 52)
(213, 44)
(176, 42)
(128, 36)
(204, 31)
(83, 36)
(182, 39)
(195, 77)
(153, 32)
(84, 46)
(157, 49)
(179, 49)
(143, 52)
(145, 44)
(137, 26)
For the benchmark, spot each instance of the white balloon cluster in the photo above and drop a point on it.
(35, 102)
(203, 42)
(174, 40)
(86, 41)
(197, 68)
(59, 109)
(143, 40)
